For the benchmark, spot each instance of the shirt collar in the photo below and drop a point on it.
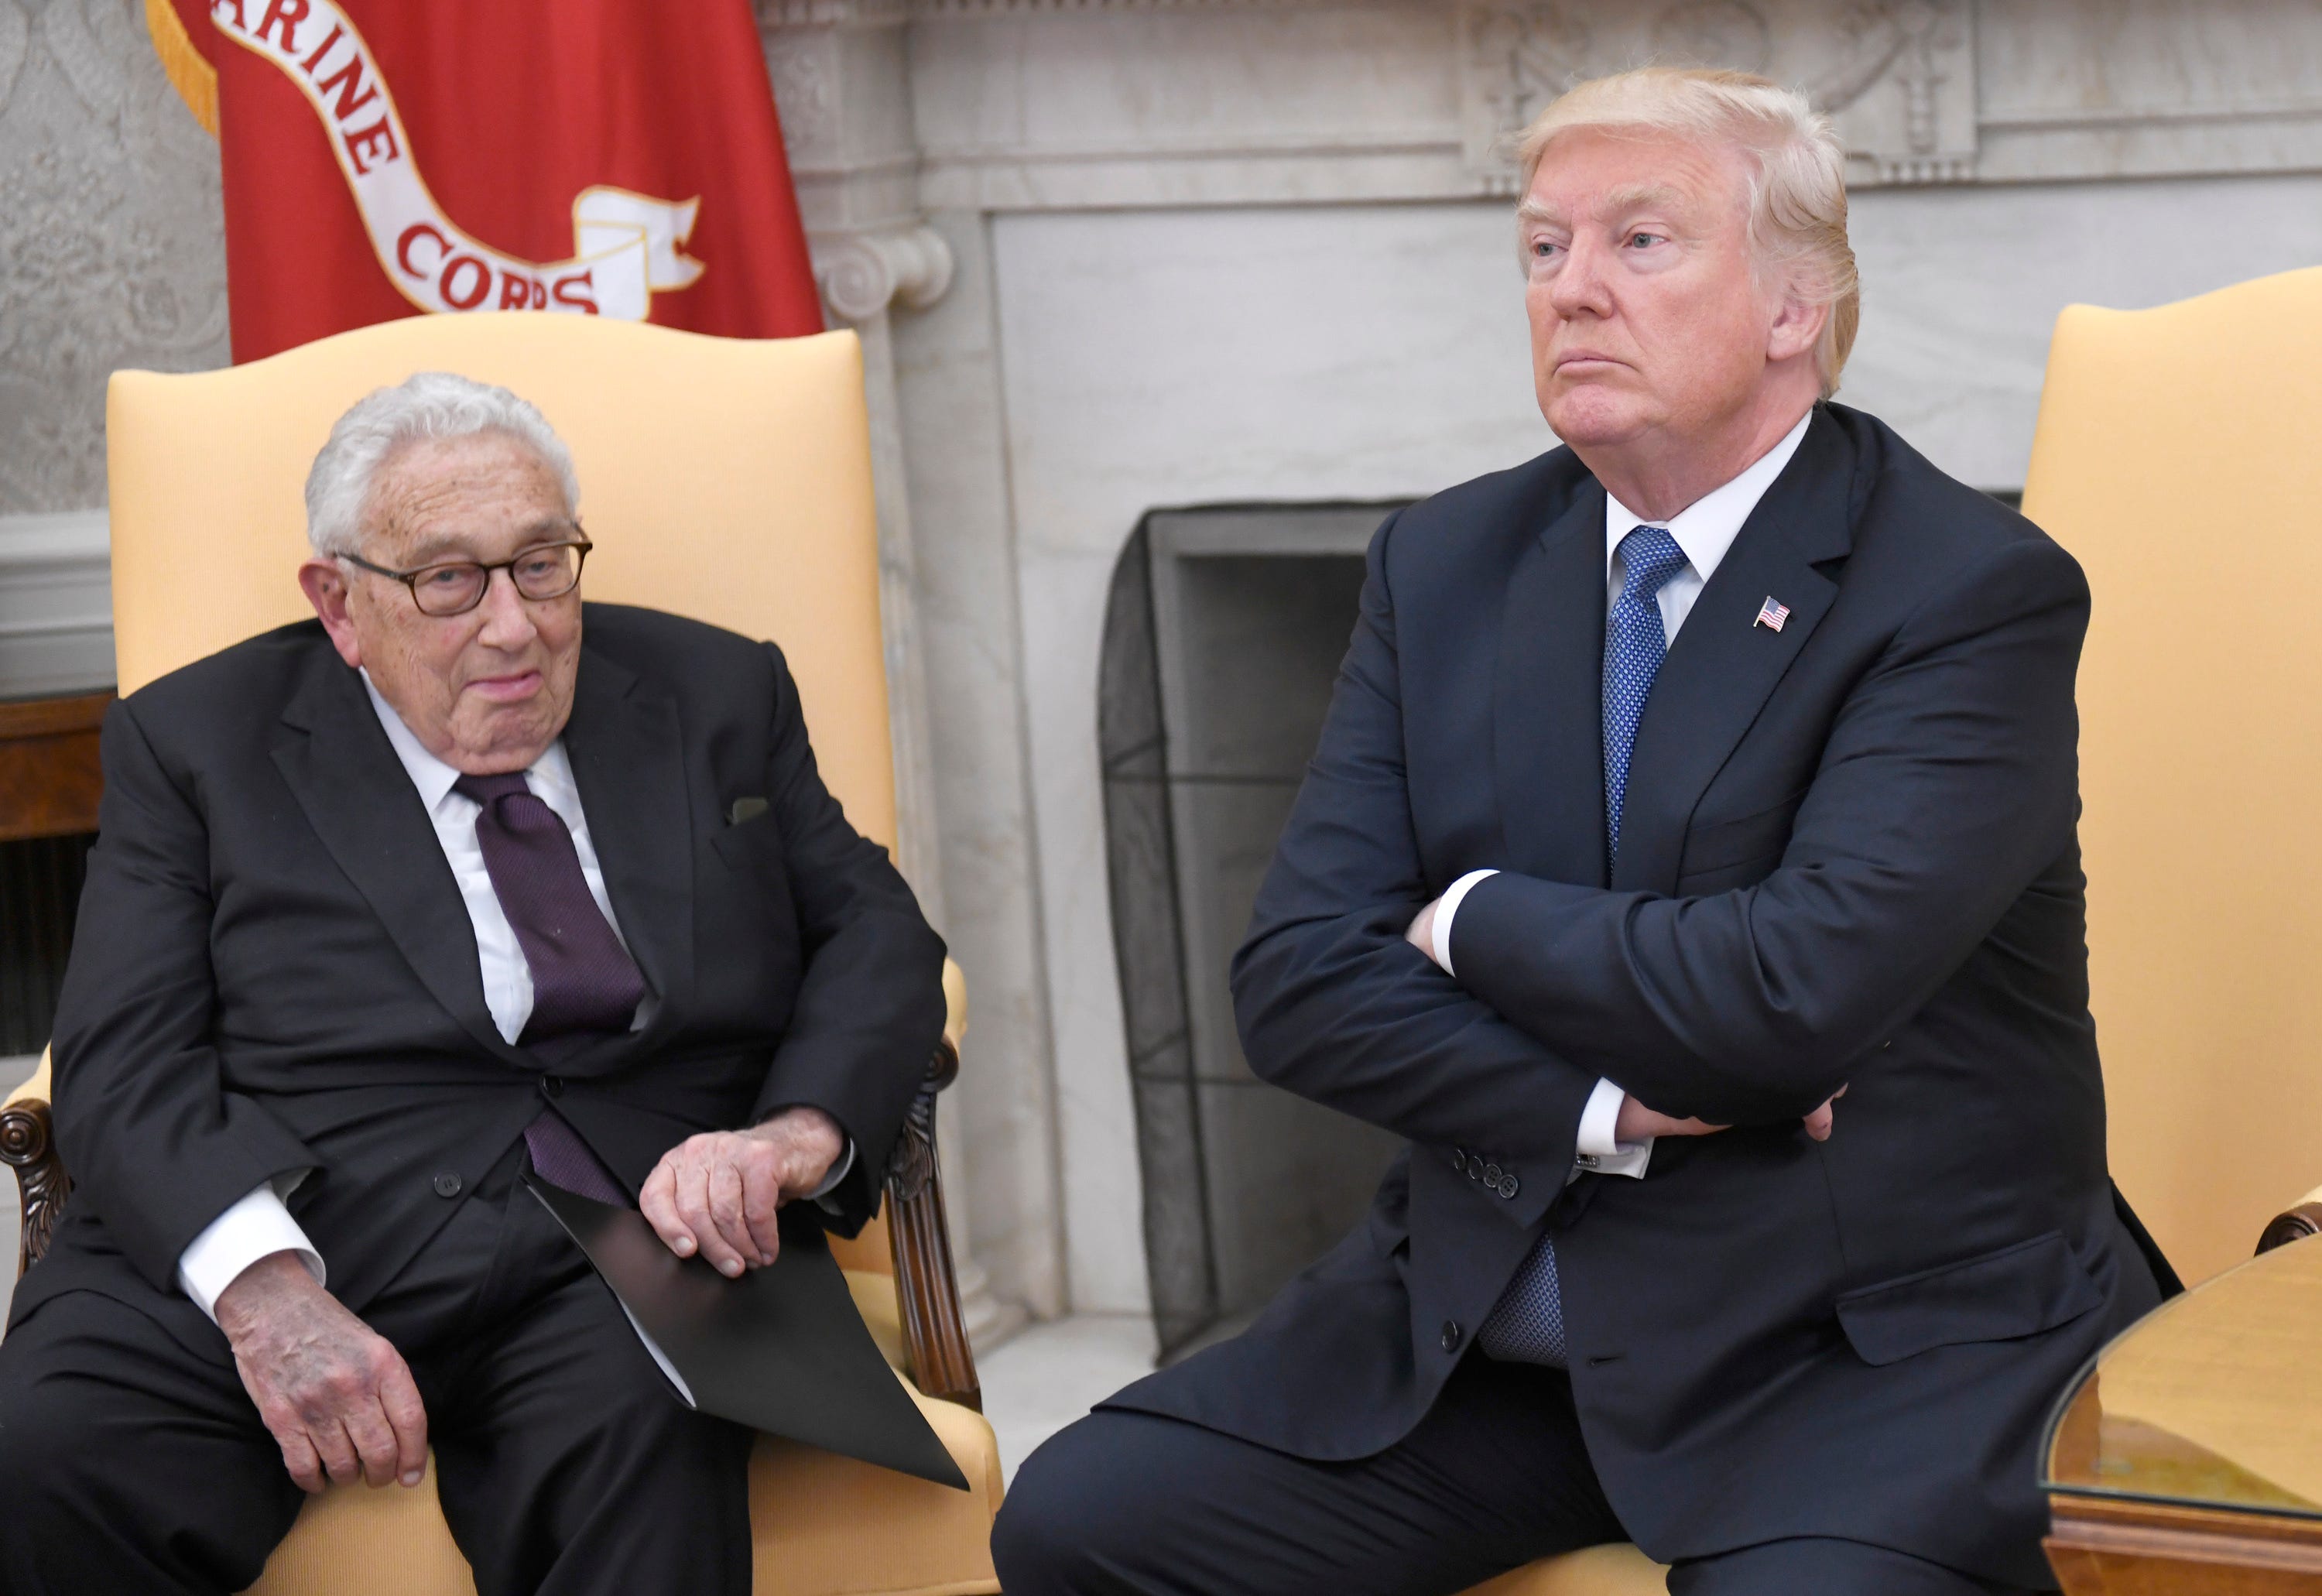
(1705, 529)
(550, 777)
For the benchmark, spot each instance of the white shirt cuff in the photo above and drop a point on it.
(1445, 909)
(1596, 1149)
(258, 1227)
(839, 1172)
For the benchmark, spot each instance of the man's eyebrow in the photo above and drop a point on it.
(431, 550)
(1620, 202)
(1641, 196)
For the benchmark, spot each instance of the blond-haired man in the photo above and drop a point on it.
(1715, 764)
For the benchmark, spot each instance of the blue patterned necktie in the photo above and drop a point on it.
(1635, 642)
(584, 984)
(1527, 1325)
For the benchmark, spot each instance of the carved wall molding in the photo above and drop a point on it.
(1897, 76)
(826, 13)
(862, 274)
(879, 13)
(1097, 104)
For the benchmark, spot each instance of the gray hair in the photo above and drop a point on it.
(1798, 177)
(426, 405)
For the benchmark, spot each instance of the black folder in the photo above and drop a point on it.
(781, 1349)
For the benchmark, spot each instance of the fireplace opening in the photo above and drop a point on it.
(1222, 638)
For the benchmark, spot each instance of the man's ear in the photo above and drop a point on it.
(1798, 326)
(326, 586)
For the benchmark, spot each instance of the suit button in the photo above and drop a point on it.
(446, 1184)
(1509, 1188)
(1492, 1174)
(1451, 1334)
(1459, 1159)
(553, 1085)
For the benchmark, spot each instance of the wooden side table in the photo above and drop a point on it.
(50, 778)
(49, 782)
(2189, 1457)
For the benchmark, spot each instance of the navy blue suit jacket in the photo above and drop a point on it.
(1849, 859)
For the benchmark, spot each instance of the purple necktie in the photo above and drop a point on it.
(583, 981)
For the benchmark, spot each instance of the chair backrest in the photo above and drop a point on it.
(2179, 456)
(721, 479)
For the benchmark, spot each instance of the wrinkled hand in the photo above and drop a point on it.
(718, 1193)
(337, 1398)
(1636, 1122)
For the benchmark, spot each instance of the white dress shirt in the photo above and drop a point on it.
(259, 1224)
(1704, 529)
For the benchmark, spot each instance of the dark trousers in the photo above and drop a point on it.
(1131, 1504)
(131, 1458)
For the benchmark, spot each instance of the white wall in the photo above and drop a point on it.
(1961, 287)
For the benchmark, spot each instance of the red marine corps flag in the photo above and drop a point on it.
(614, 157)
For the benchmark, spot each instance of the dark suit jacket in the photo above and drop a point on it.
(274, 970)
(1848, 859)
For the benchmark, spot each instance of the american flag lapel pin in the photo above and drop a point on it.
(1771, 614)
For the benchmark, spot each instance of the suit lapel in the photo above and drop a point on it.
(1722, 666)
(628, 761)
(357, 796)
(1547, 720)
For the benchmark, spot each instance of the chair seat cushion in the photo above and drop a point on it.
(1618, 1570)
(822, 1525)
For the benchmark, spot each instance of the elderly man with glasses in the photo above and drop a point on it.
(392, 910)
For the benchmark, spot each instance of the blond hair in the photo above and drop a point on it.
(1798, 173)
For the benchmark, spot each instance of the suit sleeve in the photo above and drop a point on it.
(870, 1005)
(155, 1142)
(1333, 1004)
(1949, 782)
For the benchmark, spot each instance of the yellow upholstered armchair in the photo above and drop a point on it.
(2179, 457)
(724, 479)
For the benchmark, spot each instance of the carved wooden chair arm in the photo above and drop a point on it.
(28, 1144)
(926, 1284)
(2295, 1224)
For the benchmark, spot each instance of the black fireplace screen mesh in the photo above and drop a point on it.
(1222, 636)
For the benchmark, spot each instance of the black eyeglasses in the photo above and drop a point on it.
(544, 570)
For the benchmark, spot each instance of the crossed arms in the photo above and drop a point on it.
(1947, 782)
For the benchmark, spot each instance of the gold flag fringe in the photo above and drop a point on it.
(194, 78)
